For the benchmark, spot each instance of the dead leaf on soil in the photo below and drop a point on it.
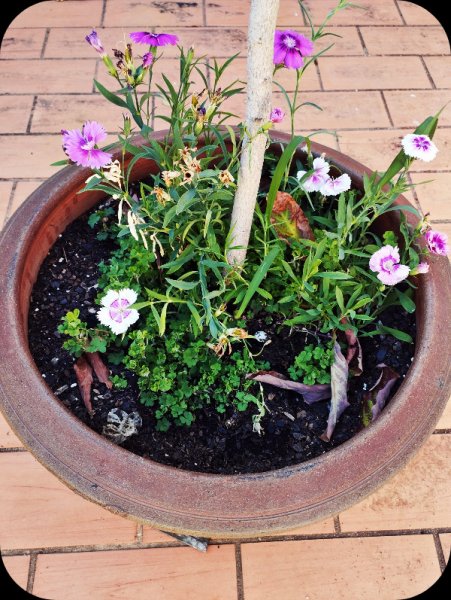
(83, 373)
(339, 384)
(311, 393)
(289, 219)
(374, 400)
(100, 368)
(354, 354)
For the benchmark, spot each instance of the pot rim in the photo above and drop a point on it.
(211, 505)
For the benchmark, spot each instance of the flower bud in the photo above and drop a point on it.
(109, 65)
(198, 127)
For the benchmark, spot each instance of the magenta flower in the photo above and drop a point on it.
(436, 242)
(115, 312)
(154, 39)
(81, 146)
(94, 41)
(277, 115)
(316, 180)
(290, 48)
(385, 262)
(333, 187)
(147, 60)
(419, 146)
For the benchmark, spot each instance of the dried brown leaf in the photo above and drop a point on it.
(100, 368)
(83, 373)
(289, 219)
(375, 399)
(354, 354)
(311, 393)
(339, 384)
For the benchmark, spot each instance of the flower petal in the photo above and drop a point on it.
(129, 295)
(94, 131)
(293, 60)
(109, 298)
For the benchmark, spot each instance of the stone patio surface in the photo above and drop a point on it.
(391, 68)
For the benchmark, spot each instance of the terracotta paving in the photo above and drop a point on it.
(391, 68)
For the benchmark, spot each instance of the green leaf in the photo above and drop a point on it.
(400, 335)
(264, 293)
(109, 95)
(186, 200)
(406, 302)
(182, 285)
(333, 275)
(257, 279)
(340, 299)
(300, 319)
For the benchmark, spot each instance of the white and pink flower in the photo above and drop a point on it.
(315, 181)
(385, 262)
(419, 146)
(420, 269)
(436, 242)
(116, 312)
(334, 186)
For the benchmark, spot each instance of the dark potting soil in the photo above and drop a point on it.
(215, 443)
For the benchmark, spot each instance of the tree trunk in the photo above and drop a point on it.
(262, 24)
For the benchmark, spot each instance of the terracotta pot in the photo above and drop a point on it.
(230, 506)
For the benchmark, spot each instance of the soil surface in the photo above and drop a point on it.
(215, 443)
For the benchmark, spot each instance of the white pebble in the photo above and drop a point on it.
(261, 336)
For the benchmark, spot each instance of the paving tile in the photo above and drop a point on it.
(377, 148)
(340, 110)
(61, 14)
(153, 13)
(445, 540)
(445, 419)
(410, 108)
(416, 497)
(39, 511)
(15, 113)
(347, 44)
(226, 13)
(382, 12)
(405, 40)
(70, 42)
(20, 43)
(157, 573)
(416, 15)
(17, 567)
(21, 193)
(5, 193)
(324, 526)
(209, 41)
(8, 438)
(53, 113)
(434, 195)
(372, 73)
(440, 69)
(36, 152)
(286, 77)
(379, 567)
(47, 76)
